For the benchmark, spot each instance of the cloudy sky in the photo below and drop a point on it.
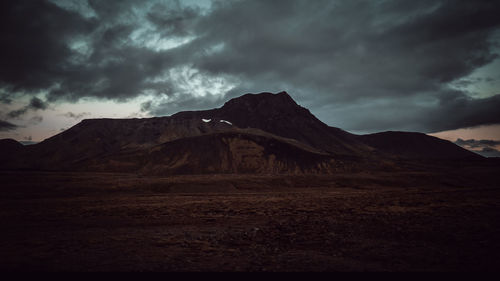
(364, 66)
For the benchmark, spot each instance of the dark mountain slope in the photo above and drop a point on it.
(99, 137)
(416, 146)
(10, 151)
(225, 152)
(9, 145)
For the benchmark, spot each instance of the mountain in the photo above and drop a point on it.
(412, 145)
(9, 145)
(254, 133)
(9, 151)
(279, 114)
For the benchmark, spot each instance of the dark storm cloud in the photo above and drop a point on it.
(121, 64)
(34, 52)
(5, 99)
(17, 113)
(177, 22)
(377, 56)
(6, 126)
(37, 103)
(440, 111)
(110, 11)
(118, 74)
(350, 48)
(360, 65)
(34, 104)
(457, 110)
(37, 55)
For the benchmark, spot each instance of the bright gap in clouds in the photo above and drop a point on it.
(485, 132)
(62, 116)
(482, 83)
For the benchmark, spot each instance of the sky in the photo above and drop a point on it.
(363, 66)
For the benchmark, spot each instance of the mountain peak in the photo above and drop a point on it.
(265, 98)
(265, 107)
(283, 93)
(280, 115)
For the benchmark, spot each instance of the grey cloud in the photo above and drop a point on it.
(427, 113)
(176, 22)
(457, 110)
(5, 99)
(115, 35)
(76, 116)
(359, 54)
(35, 120)
(34, 52)
(342, 50)
(6, 126)
(37, 103)
(489, 152)
(486, 148)
(472, 143)
(184, 103)
(114, 68)
(112, 10)
(360, 65)
(34, 104)
(17, 113)
(146, 106)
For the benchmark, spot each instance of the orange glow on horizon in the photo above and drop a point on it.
(486, 132)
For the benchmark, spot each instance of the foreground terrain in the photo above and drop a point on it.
(357, 222)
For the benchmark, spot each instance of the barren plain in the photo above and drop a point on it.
(351, 222)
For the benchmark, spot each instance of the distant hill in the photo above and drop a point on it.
(28, 142)
(416, 146)
(7, 145)
(9, 149)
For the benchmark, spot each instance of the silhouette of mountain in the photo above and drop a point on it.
(279, 114)
(9, 151)
(416, 146)
(9, 145)
(254, 133)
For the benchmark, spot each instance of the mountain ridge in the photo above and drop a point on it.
(241, 129)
